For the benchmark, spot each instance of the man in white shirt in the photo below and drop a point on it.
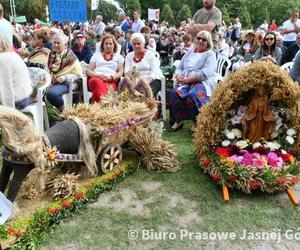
(5, 26)
(290, 29)
(137, 22)
(100, 26)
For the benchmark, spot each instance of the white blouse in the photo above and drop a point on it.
(106, 67)
(148, 66)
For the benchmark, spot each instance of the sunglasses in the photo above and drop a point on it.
(269, 39)
(201, 39)
(79, 37)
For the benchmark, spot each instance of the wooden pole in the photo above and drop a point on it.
(225, 193)
(292, 197)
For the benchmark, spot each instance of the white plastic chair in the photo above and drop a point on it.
(86, 93)
(38, 109)
(220, 66)
(287, 66)
(162, 95)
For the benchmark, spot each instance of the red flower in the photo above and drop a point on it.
(18, 234)
(293, 153)
(232, 178)
(14, 233)
(79, 196)
(286, 158)
(65, 203)
(254, 185)
(10, 230)
(280, 181)
(216, 177)
(205, 162)
(223, 151)
(294, 181)
(53, 210)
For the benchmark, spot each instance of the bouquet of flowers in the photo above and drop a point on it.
(266, 165)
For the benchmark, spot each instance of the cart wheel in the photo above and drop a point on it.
(110, 157)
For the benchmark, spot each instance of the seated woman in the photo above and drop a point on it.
(39, 56)
(144, 61)
(268, 51)
(196, 79)
(15, 82)
(246, 51)
(64, 68)
(105, 68)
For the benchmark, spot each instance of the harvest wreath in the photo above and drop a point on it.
(247, 136)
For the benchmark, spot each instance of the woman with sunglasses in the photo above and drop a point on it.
(268, 51)
(105, 68)
(196, 79)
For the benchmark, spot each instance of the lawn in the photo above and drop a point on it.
(179, 211)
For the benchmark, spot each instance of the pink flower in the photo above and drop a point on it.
(274, 160)
(236, 158)
(247, 159)
(258, 162)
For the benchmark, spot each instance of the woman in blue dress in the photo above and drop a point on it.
(196, 79)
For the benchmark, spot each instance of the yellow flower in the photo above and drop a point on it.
(51, 155)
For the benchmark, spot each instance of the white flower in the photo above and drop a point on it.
(283, 151)
(237, 133)
(230, 135)
(242, 144)
(225, 143)
(256, 145)
(290, 139)
(273, 145)
(278, 123)
(236, 120)
(291, 132)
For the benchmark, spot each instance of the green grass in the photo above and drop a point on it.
(102, 227)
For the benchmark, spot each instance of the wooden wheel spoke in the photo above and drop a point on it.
(110, 157)
(105, 165)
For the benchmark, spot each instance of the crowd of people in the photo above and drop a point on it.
(114, 48)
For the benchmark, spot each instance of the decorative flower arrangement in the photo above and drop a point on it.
(267, 164)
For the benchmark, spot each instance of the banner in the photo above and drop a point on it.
(94, 4)
(21, 19)
(68, 10)
(153, 14)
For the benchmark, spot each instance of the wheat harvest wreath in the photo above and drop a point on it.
(247, 136)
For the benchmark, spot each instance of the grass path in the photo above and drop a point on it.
(177, 203)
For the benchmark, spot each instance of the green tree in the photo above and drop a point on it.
(225, 14)
(129, 6)
(183, 14)
(107, 10)
(167, 14)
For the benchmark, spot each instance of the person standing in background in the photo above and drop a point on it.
(208, 18)
(5, 26)
(137, 22)
(291, 28)
(100, 26)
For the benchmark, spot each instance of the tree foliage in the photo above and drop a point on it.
(183, 14)
(129, 6)
(167, 14)
(251, 13)
(107, 10)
